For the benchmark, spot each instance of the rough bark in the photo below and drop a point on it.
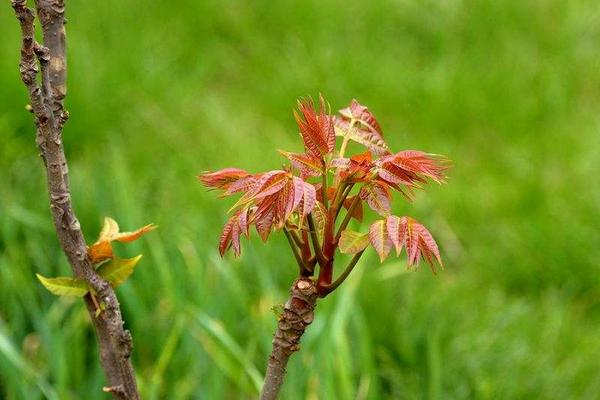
(298, 313)
(114, 341)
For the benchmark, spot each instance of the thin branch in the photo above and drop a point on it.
(324, 189)
(347, 218)
(334, 285)
(315, 240)
(296, 238)
(343, 148)
(114, 342)
(345, 194)
(336, 198)
(303, 267)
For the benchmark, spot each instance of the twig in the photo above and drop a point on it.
(296, 238)
(324, 189)
(47, 106)
(302, 266)
(330, 288)
(345, 194)
(315, 240)
(347, 218)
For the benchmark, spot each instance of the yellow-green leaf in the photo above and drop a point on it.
(117, 270)
(380, 239)
(320, 215)
(352, 242)
(64, 286)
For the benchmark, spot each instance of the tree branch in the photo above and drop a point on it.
(47, 105)
(315, 240)
(51, 15)
(295, 238)
(347, 218)
(302, 266)
(298, 313)
(345, 194)
(324, 189)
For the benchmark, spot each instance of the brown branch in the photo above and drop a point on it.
(51, 16)
(298, 313)
(47, 106)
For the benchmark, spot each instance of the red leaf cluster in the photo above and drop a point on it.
(316, 129)
(268, 201)
(404, 232)
(306, 198)
(410, 168)
(357, 121)
(308, 164)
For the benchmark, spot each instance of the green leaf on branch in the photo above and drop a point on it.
(64, 286)
(117, 270)
(352, 242)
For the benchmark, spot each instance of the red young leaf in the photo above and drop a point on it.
(269, 183)
(244, 222)
(265, 185)
(241, 185)
(411, 167)
(397, 230)
(363, 158)
(366, 129)
(308, 164)
(222, 179)
(361, 113)
(377, 196)
(380, 239)
(394, 174)
(234, 227)
(406, 232)
(316, 129)
(309, 199)
(353, 171)
(265, 223)
(298, 188)
(289, 199)
(225, 239)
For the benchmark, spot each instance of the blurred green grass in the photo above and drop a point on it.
(158, 92)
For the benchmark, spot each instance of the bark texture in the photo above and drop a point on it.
(46, 99)
(298, 313)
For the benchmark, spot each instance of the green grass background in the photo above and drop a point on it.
(159, 91)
